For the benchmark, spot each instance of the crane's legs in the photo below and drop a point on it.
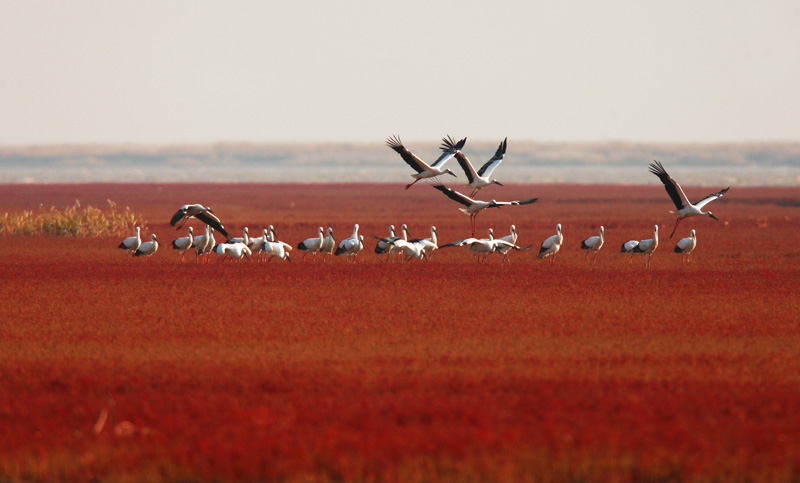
(676, 226)
(412, 184)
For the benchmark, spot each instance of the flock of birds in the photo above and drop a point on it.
(267, 246)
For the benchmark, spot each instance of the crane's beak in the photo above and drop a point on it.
(498, 183)
(452, 174)
(712, 216)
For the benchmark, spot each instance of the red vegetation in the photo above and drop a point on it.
(440, 371)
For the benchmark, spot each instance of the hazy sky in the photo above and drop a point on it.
(197, 71)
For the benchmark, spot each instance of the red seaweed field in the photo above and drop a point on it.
(155, 369)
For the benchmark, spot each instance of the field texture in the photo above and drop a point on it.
(120, 369)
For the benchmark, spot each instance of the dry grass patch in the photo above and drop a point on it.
(71, 221)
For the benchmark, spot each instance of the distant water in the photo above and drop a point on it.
(767, 164)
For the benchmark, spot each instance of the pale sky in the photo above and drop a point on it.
(200, 71)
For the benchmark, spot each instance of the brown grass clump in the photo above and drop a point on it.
(71, 221)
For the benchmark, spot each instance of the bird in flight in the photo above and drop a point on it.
(423, 169)
(685, 208)
(200, 212)
(473, 207)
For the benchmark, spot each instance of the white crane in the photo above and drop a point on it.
(685, 246)
(199, 243)
(479, 246)
(312, 245)
(234, 250)
(510, 238)
(329, 244)
(245, 238)
(504, 244)
(628, 247)
(648, 247)
(473, 207)
(131, 244)
(593, 244)
(386, 245)
(276, 248)
(209, 247)
(684, 208)
(423, 169)
(148, 248)
(409, 249)
(255, 244)
(351, 246)
(551, 245)
(204, 245)
(481, 178)
(184, 243)
(484, 246)
(428, 245)
(200, 212)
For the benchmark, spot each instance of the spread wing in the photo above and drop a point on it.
(211, 220)
(410, 158)
(466, 166)
(708, 199)
(525, 202)
(674, 190)
(455, 195)
(449, 148)
(486, 169)
(178, 216)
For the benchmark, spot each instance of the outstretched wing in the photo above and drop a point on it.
(449, 145)
(385, 243)
(497, 204)
(708, 199)
(410, 158)
(490, 165)
(506, 245)
(449, 148)
(211, 220)
(466, 166)
(455, 195)
(178, 216)
(674, 190)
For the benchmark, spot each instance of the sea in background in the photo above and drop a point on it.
(742, 164)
